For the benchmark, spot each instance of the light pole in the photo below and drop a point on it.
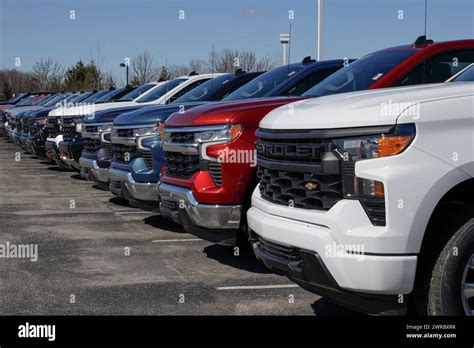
(284, 40)
(320, 30)
(123, 65)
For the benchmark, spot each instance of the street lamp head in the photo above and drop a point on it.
(284, 38)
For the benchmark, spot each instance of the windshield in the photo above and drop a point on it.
(27, 100)
(264, 83)
(16, 99)
(54, 99)
(95, 96)
(360, 74)
(76, 98)
(466, 75)
(46, 100)
(137, 92)
(203, 92)
(160, 91)
(109, 96)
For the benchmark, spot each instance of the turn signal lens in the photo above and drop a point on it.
(159, 128)
(235, 131)
(393, 145)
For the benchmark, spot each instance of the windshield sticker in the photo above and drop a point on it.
(376, 77)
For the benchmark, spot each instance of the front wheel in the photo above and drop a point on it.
(451, 288)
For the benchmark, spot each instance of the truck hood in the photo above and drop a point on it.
(227, 112)
(15, 111)
(109, 115)
(152, 114)
(358, 109)
(88, 109)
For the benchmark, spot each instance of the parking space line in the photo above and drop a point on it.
(257, 287)
(177, 240)
(132, 212)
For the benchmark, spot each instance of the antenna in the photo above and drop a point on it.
(424, 58)
(213, 67)
(426, 14)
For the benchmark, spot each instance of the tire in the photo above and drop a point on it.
(445, 296)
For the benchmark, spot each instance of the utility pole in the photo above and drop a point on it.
(320, 30)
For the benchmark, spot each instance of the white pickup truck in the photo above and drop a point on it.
(367, 198)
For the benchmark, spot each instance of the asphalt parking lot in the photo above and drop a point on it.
(97, 255)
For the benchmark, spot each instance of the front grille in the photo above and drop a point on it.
(91, 145)
(170, 205)
(292, 150)
(300, 190)
(148, 158)
(68, 133)
(182, 137)
(92, 129)
(109, 149)
(123, 153)
(52, 127)
(126, 133)
(291, 174)
(215, 170)
(25, 126)
(181, 165)
(289, 254)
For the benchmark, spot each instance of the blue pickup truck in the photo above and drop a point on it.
(137, 157)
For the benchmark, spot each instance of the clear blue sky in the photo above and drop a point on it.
(34, 29)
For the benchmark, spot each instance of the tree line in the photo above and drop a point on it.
(48, 75)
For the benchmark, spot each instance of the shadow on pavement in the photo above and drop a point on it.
(158, 221)
(324, 307)
(245, 261)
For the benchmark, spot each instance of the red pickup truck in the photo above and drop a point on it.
(210, 169)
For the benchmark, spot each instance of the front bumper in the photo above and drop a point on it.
(70, 152)
(95, 172)
(338, 230)
(123, 185)
(35, 144)
(213, 222)
(52, 153)
(23, 139)
(308, 270)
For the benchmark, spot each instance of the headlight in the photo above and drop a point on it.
(80, 127)
(144, 131)
(354, 149)
(225, 134)
(104, 128)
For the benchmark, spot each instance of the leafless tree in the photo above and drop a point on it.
(176, 70)
(228, 60)
(48, 74)
(143, 69)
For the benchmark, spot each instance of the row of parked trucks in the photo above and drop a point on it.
(356, 191)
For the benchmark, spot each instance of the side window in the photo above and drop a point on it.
(186, 90)
(438, 68)
(309, 81)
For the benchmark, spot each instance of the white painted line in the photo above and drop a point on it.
(132, 212)
(177, 240)
(257, 287)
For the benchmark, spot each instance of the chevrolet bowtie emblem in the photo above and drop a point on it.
(310, 186)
